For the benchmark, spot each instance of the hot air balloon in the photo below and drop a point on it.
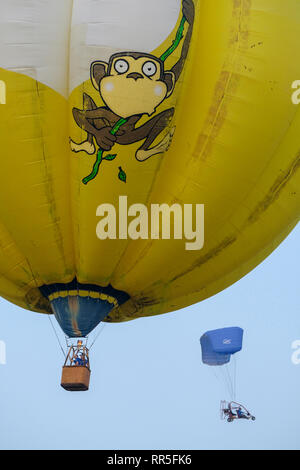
(170, 103)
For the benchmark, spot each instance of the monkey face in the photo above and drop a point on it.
(135, 84)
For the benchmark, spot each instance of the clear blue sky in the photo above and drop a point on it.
(149, 389)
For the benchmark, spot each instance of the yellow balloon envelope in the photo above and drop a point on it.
(175, 102)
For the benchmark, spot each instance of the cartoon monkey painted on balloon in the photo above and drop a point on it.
(132, 84)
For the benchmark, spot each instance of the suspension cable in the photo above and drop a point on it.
(224, 379)
(227, 379)
(230, 381)
(99, 333)
(235, 375)
(57, 337)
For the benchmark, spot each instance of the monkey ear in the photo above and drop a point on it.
(98, 71)
(170, 81)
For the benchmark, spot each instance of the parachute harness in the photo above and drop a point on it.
(122, 175)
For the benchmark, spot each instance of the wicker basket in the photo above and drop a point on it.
(75, 378)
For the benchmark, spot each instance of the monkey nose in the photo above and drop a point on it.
(135, 76)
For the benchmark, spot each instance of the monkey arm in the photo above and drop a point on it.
(92, 120)
(189, 14)
(149, 130)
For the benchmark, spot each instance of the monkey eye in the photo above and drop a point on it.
(149, 68)
(121, 66)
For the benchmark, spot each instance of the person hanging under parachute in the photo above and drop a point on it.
(218, 346)
(233, 411)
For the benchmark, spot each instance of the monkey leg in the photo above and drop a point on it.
(161, 147)
(84, 146)
(88, 144)
(150, 131)
(145, 152)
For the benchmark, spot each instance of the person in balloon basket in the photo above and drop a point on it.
(78, 361)
(80, 358)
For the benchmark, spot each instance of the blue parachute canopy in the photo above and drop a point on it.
(218, 345)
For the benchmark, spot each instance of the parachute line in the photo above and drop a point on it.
(235, 375)
(231, 386)
(227, 380)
